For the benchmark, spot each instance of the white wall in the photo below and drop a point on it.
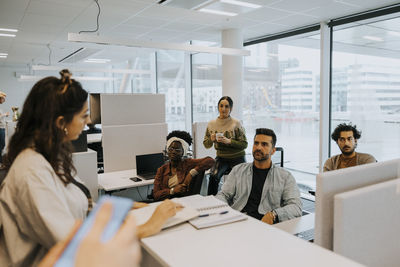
(16, 91)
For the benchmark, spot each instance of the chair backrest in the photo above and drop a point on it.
(278, 157)
(195, 184)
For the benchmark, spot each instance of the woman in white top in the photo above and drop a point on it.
(41, 198)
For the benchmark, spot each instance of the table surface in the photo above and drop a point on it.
(297, 225)
(244, 243)
(120, 180)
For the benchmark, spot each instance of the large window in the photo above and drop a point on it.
(280, 92)
(366, 84)
(171, 82)
(207, 86)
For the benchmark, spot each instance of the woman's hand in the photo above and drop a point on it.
(138, 205)
(213, 137)
(224, 140)
(122, 250)
(180, 188)
(163, 212)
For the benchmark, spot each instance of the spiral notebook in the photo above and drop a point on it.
(212, 211)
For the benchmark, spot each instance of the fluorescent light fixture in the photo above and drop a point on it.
(7, 35)
(107, 40)
(73, 69)
(240, 3)
(8, 30)
(217, 12)
(272, 55)
(3, 56)
(27, 78)
(97, 60)
(373, 38)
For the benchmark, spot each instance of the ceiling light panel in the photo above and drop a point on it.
(7, 34)
(240, 3)
(229, 8)
(8, 30)
(186, 4)
(218, 12)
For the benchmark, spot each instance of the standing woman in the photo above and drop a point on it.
(229, 139)
(41, 198)
(173, 179)
(2, 126)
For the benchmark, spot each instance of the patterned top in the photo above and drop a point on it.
(232, 129)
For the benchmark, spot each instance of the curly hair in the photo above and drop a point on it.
(182, 135)
(343, 127)
(49, 99)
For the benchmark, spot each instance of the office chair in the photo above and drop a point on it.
(278, 157)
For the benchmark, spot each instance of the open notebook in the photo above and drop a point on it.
(212, 211)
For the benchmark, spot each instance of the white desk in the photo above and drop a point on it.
(94, 138)
(297, 225)
(244, 243)
(114, 181)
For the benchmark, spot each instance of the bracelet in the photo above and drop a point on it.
(275, 216)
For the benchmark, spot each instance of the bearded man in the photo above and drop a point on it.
(346, 137)
(260, 189)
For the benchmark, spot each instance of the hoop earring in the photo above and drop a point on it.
(66, 131)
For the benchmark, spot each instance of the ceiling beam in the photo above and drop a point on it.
(86, 38)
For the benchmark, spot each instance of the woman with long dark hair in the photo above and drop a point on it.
(41, 197)
(229, 139)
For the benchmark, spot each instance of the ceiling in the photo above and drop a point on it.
(43, 24)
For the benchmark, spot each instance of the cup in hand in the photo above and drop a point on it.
(219, 135)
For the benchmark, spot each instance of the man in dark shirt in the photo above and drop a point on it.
(261, 189)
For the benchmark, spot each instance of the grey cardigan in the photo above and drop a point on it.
(280, 191)
(361, 158)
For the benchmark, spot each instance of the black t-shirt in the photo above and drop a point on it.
(251, 208)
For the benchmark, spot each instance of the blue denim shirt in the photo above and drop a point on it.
(280, 191)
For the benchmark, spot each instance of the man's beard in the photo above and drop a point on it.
(264, 157)
(348, 153)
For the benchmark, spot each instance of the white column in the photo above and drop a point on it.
(232, 70)
(324, 118)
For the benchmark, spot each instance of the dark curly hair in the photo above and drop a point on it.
(182, 135)
(37, 128)
(343, 127)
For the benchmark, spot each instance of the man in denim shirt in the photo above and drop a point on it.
(262, 190)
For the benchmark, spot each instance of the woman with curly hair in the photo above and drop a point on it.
(174, 177)
(41, 197)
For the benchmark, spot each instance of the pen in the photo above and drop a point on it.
(208, 214)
